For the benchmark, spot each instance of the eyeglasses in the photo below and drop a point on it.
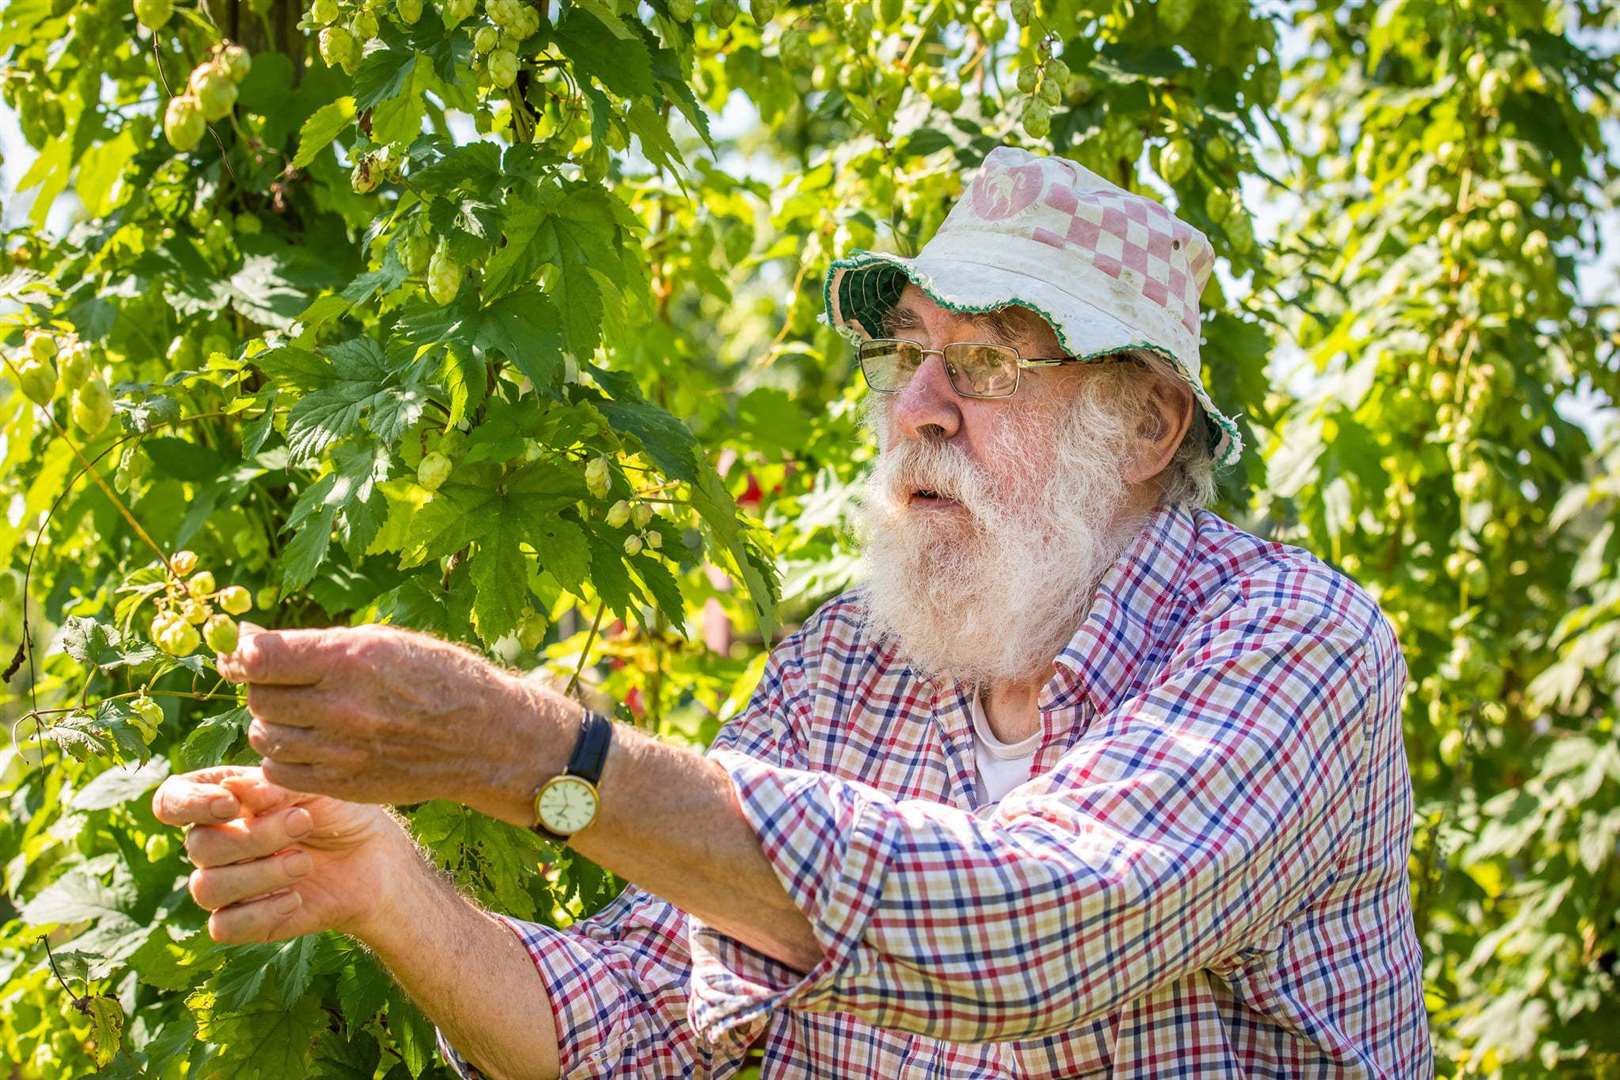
(976, 369)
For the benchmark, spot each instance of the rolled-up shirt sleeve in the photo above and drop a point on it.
(619, 981)
(1184, 825)
(617, 984)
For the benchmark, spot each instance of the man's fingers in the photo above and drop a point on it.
(269, 919)
(283, 657)
(258, 795)
(198, 797)
(247, 838)
(221, 886)
(297, 777)
(294, 706)
(290, 744)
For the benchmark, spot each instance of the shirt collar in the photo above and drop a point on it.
(1140, 602)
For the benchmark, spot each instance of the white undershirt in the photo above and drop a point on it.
(1002, 766)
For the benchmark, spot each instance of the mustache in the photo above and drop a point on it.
(939, 467)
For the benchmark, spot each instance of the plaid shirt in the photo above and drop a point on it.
(1205, 876)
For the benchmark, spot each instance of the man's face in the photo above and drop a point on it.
(987, 524)
(1010, 438)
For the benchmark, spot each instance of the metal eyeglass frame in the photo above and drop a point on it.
(1020, 362)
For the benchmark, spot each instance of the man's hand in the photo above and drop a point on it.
(274, 863)
(382, 715)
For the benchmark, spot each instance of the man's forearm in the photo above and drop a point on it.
(467, 973)
(669, 822)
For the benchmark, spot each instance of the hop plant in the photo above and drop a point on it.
(642, 515)
(723, 12)
(174, 635)
(485, 40)
(409, 11)
(598, 477)
(365, 175)
(1175, 160)
(183, 123)
(37, 379)
(236, 62)
(148, 716)
(214, 90)
(433, 471)
(235, 600)
(503, 67)
(454, 11)
(152, 14)
(220, 633)
(443, 275)
(1037, 118)
(339, 49)
(324, 12)
(92, 406)
(763, 11)
(945, 95)
(41, 345)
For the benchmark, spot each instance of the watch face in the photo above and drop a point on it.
(567, 804)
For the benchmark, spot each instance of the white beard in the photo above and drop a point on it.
(994, 594)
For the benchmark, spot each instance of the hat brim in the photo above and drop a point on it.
(861, 289)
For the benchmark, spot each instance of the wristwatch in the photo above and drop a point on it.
(567, 802)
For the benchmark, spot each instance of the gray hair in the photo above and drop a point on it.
(1188, 480)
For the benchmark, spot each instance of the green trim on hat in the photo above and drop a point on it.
(881, 279)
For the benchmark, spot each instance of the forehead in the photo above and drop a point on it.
(1010, 325)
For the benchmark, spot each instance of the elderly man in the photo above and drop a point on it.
(1083, 780)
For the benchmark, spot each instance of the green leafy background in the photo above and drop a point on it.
(1412, 318)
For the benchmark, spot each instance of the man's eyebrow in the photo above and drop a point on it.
(995, 324)
(898, 317)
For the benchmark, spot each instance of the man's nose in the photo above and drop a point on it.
(927, 406)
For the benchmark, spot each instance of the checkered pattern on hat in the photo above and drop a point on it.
(1129, 237)
(1126, 232)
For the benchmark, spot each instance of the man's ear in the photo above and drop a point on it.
(1160, 431)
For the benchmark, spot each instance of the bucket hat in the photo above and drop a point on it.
(1107, 269)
